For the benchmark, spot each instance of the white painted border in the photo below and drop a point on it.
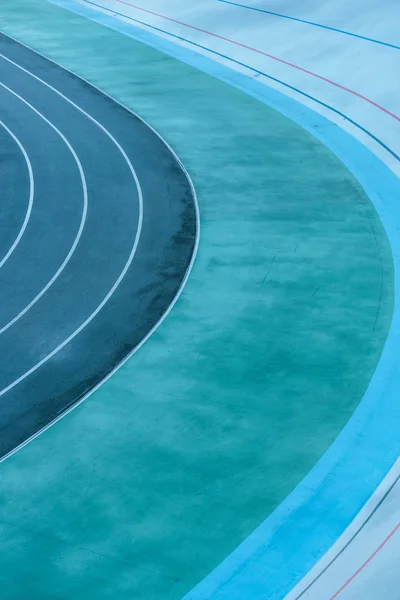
(83, 216)
(30, 200)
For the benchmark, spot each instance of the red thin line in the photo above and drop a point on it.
(285, 62)
(385, 541)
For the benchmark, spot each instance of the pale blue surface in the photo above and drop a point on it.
(342, 31)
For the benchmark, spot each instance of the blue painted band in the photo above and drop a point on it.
(275, 14)
(289, 542)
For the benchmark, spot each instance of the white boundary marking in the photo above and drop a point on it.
(183, 283)
(31, 195)
(83, 217)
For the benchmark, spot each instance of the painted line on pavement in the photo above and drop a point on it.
(179, 292)
(251, 49)
(371, 508)
(313, 23)
(137, 235)
(360, 569)
(254, 70)
(81, 224)
(30, 200)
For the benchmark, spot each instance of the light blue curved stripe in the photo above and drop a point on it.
(313, 23)
(289, 542)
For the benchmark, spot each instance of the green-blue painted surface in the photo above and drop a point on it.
(149, 484)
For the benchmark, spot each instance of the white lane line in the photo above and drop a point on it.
(31, 195)
(181, 287)
(131, 255)
(83, 217)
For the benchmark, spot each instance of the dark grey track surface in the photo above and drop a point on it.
(163, 253)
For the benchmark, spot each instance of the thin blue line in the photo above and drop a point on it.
(275, 14)
(241, 64)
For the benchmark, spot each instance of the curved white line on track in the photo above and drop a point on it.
(31, 196)
(82, 222)
(181, 287)
(134, 247)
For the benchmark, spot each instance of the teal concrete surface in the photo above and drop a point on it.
(160, 474)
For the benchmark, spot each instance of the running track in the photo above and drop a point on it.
(100, 237)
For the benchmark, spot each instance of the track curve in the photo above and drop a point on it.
(109, 240)
(9, 174)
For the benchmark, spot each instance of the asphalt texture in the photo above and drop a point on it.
(108, 238)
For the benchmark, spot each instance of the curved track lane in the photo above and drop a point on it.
(109, 238)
